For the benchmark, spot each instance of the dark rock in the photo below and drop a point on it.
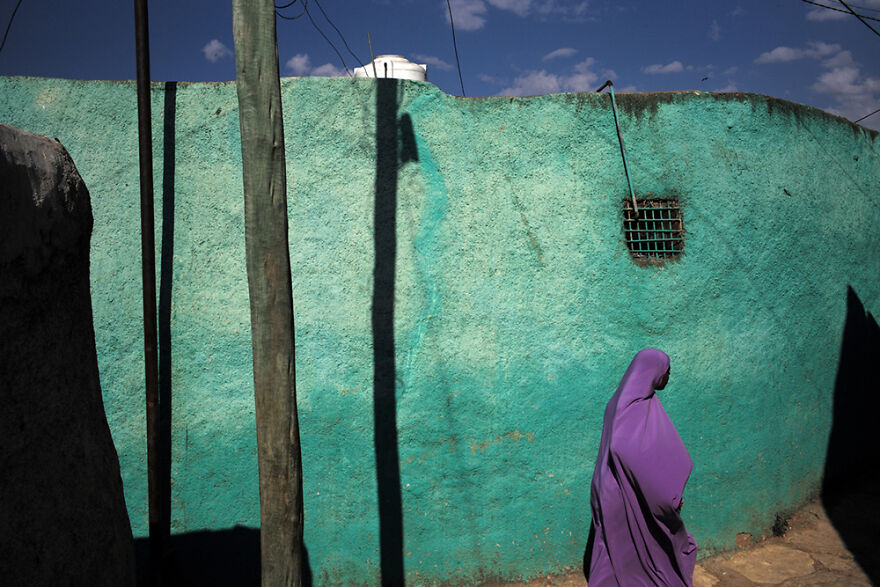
(63, 519)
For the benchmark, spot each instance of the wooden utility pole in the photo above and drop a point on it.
(269, 284)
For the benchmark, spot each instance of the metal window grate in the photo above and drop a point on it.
(655, 232)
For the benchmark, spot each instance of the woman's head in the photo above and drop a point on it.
(653, 365)
(649, 370)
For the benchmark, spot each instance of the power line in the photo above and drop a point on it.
(301, 12)
(9, 24)
(859, 16)
(841, 10)
(305, 10)
(358, 59)
(455, 46)
(867, 115)
(865, 8)
(317, 28)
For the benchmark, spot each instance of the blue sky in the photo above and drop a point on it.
(784, 48)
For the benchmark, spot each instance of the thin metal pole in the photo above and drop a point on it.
(632, 193)
(148, 268)
(372, 59)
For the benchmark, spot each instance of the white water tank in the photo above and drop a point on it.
(393, 66)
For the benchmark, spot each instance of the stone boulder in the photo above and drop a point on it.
(63, 519)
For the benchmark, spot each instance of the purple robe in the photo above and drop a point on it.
(638, 534)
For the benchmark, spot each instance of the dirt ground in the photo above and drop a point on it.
(827, 542)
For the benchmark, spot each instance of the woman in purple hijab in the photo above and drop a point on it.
(638, 537)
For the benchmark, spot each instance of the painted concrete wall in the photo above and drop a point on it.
(516, 307)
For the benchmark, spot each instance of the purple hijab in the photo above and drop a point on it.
(642, 468)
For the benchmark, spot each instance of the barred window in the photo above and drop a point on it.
(654, 234)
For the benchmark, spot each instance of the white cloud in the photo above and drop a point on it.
(567, 10)
(738, 11)
(852, 93)
(785, 54)
(433, 61)
(469, 15)
(842, 59)
(328, 70)
(730, 87)
(563, 52)
(823, 14)
(581, 78)
(484, 77)
(780, 55)
(730, 70)
(533, 83)
(518, 7)
(714, 31)
(822, 49)
(215, 51)
(656, 68)
(299, 64)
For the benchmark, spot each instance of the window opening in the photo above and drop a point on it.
(654, 233)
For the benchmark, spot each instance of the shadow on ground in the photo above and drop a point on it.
(851, 487)
(220, 558)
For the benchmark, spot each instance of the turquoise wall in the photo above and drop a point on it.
(516, 304)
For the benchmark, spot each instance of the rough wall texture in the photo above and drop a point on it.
(516, 306)
(63, 515)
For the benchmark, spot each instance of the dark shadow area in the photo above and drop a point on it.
(220, 558)
(588, 551)
(164, 311)
(408, 149)
(395, 146)
(851, 485)
(382, 318)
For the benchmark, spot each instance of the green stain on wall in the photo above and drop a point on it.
(517, 306)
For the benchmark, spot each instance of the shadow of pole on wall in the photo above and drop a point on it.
(389, 155)
(382, 317)
(852, 465)
(166, 275)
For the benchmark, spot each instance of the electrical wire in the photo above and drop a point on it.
(859, 16)
(9, 24)
(305, 4)
(455, 46)
(867, 116)
(865, 8)
(338, 32)
(317, 28)
(840, 9)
